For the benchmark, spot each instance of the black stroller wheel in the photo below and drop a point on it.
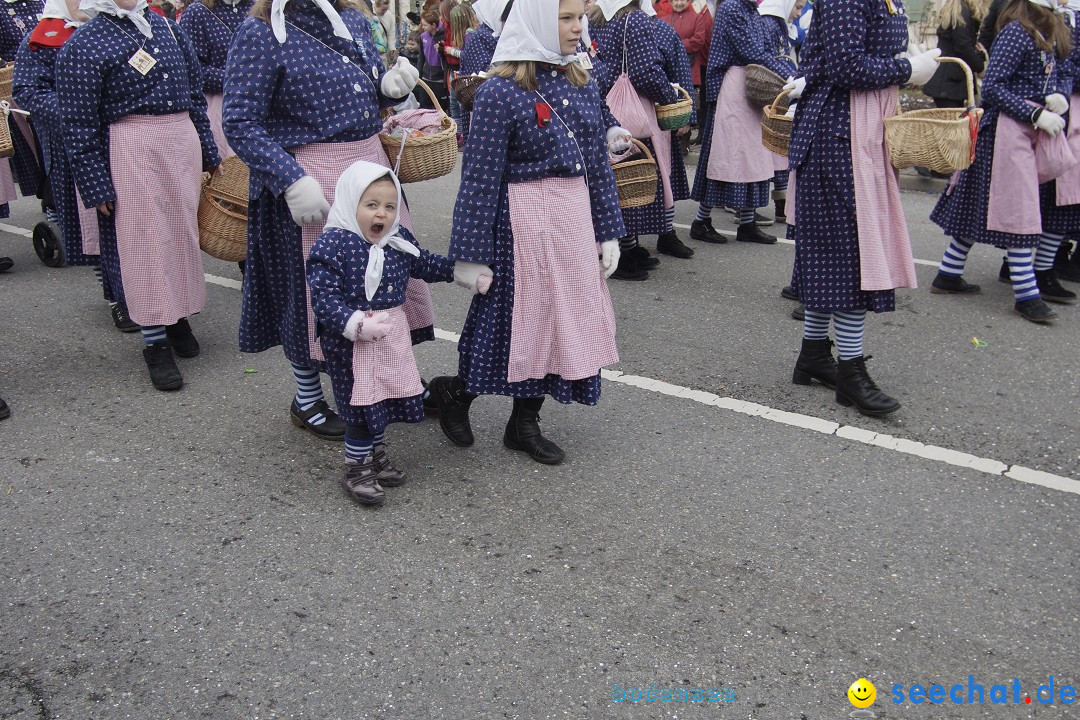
(47, 244)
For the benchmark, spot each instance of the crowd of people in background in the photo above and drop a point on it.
(334, 275)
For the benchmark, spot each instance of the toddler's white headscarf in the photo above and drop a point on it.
(531, 32)
(277, 19)
(350, 186)
(135, 15)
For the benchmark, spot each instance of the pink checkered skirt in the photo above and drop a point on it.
(386, 368)
(213, 111)
(157, 230)
(563, 323)
(88, 226)
(325, 162)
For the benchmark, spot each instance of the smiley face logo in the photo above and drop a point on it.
(862, 693)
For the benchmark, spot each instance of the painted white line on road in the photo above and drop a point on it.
(731, 233)
(224, 282)
(15, 230)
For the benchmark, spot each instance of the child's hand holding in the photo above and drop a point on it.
(375, 327)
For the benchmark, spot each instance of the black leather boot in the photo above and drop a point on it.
(523, 433)
(453, 402)
(182, 339)
(752, 233)
(816, 362)
(854, 387)
(162, 366)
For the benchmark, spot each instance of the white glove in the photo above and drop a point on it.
(923, 66)
(609, 256)
(399, 80)
(306, 201)
(1050, 123)
(375, 327)
(796, 86)
(618, 140)
(467, 275)
(1057, 104)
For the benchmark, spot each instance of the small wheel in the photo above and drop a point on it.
(47, 244)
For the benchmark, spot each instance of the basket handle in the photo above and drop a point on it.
(967, 76)
(776, 103)
(681, 89)
(642, 147)
(434, 100)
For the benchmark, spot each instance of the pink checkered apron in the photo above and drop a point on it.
(325, 162)
(157, 187)
(736, 154)
(1024, 158)
(213, 111)
(563, 322)
(1068, 184)
(385, 368)
(7, 182)
(885, 260)
(88, 227)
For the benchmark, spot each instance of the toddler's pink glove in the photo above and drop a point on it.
(375, 327)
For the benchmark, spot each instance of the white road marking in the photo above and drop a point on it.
(15, 230)
(731, 233)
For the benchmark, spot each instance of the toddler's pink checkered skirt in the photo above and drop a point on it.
(385, 368)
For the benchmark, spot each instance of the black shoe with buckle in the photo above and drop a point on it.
(162, 366)
(331, 428)
(703, 231)
(669, 244)
(121, 320)
(1050, 289)
(752, 233)
(454, 402)
(182, 339)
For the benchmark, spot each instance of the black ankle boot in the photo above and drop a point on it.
(752, 233)
(182, 339)
(453, 402)
(704, 231)
(854, 387)
(1050, 289)
(629, 268)
(816, 362)
(162, 366)
(523, 433)
(669, 244)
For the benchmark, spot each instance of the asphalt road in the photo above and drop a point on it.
(190, 555)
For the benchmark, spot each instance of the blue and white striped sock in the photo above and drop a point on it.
(379, 438)
(357, 443)
(669, 219)
(849, 327)
(308, 391)
(816, 325)
(781, 180)
(1048, 247)
(955, 258)
(98, 276)
(52, 216)
(153, 334)
(627, 243)
(746, 216)
(1022, 274)
(704, 212)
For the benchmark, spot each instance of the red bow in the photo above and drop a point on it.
(543, 114)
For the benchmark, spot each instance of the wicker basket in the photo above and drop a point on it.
(763, 85)
(636, 179)
(775, 125)
(427, 157)
(941, 139)
(223, 212)
(465, 87)
(7, 75)
(7, 145)
(677, 114)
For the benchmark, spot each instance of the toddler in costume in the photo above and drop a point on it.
(357, 271)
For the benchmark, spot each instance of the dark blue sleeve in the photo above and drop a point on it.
(644, 64)
(80, 80)
(34, 86)
(1010, 47)
(210, 156)
(326, 278)
(194, 22)
(843, 26)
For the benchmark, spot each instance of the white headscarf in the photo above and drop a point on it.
(58, 9)
(532, 33)
(277, 19)
(777, 8)
(610, 7)
(135, 15)
(492, 14)
(1065, 11)
(350, 186)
